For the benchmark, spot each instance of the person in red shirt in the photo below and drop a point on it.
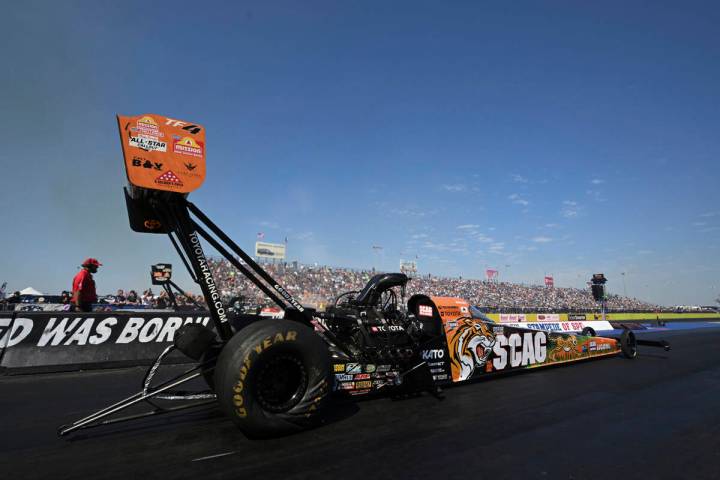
(83, 289)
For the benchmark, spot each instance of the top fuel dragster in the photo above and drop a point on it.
(275, 376)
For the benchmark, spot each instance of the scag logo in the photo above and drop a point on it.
(436, 354)
(525, 349)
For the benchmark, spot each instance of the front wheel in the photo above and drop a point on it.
(273, 378)
(628, 344)
(588, 332)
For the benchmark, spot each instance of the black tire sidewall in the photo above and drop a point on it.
(628, 344)
(588, 332)
(237, 368)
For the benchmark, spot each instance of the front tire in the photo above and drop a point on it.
(273, 378)
(628, 344)
(588, 332)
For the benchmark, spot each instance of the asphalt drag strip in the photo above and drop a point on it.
(653, 417)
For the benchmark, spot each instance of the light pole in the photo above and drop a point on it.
(624, 287)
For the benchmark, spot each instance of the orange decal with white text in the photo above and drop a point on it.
(163, 153)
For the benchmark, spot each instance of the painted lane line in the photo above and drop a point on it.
(213, 456)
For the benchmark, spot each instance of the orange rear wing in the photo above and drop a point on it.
(162, 153)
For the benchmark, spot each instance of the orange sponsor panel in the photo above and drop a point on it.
(163, 153)
(451, 308)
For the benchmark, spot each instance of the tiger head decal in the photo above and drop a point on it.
(470, 347)
(565, 349)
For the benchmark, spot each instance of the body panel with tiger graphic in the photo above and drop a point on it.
(476, 346)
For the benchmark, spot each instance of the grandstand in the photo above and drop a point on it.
(318, 285)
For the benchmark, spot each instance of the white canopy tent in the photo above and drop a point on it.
(30, 291)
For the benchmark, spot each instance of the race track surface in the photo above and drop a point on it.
(654, 417)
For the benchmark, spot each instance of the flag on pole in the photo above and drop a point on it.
(549, 281)
(260, 235)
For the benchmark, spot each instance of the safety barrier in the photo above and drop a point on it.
(610, 317)
(61, 341)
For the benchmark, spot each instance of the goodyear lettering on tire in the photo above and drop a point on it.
(267, 342)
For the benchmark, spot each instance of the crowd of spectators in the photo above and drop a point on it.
(319, 285)
(120, 300)
(149, 299)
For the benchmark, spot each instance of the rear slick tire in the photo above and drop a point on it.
(273, 378)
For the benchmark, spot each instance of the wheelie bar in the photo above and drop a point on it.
(655, 343)
(664, 344)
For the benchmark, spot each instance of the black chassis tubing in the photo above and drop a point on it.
(177, 213)
(182, 256)
(248, 259)
(239, 266)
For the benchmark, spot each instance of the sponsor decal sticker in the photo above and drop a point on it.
(362, 376)
(425, 311)
(519, 350)
(343, 377)
(346, 386)
(370, 368)
(387, 328)
(148, 126)
(434, 354)
(363, 384)
(152, 224)
(169, 178)
(144, 163)
(449, 311)
(339, 367)
(188, 146)
(353, 368)
(359, 392)
(147, 143)
(383, 368)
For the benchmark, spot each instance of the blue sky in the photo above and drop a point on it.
(561, 137)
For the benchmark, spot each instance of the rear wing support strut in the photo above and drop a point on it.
(185, 233)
